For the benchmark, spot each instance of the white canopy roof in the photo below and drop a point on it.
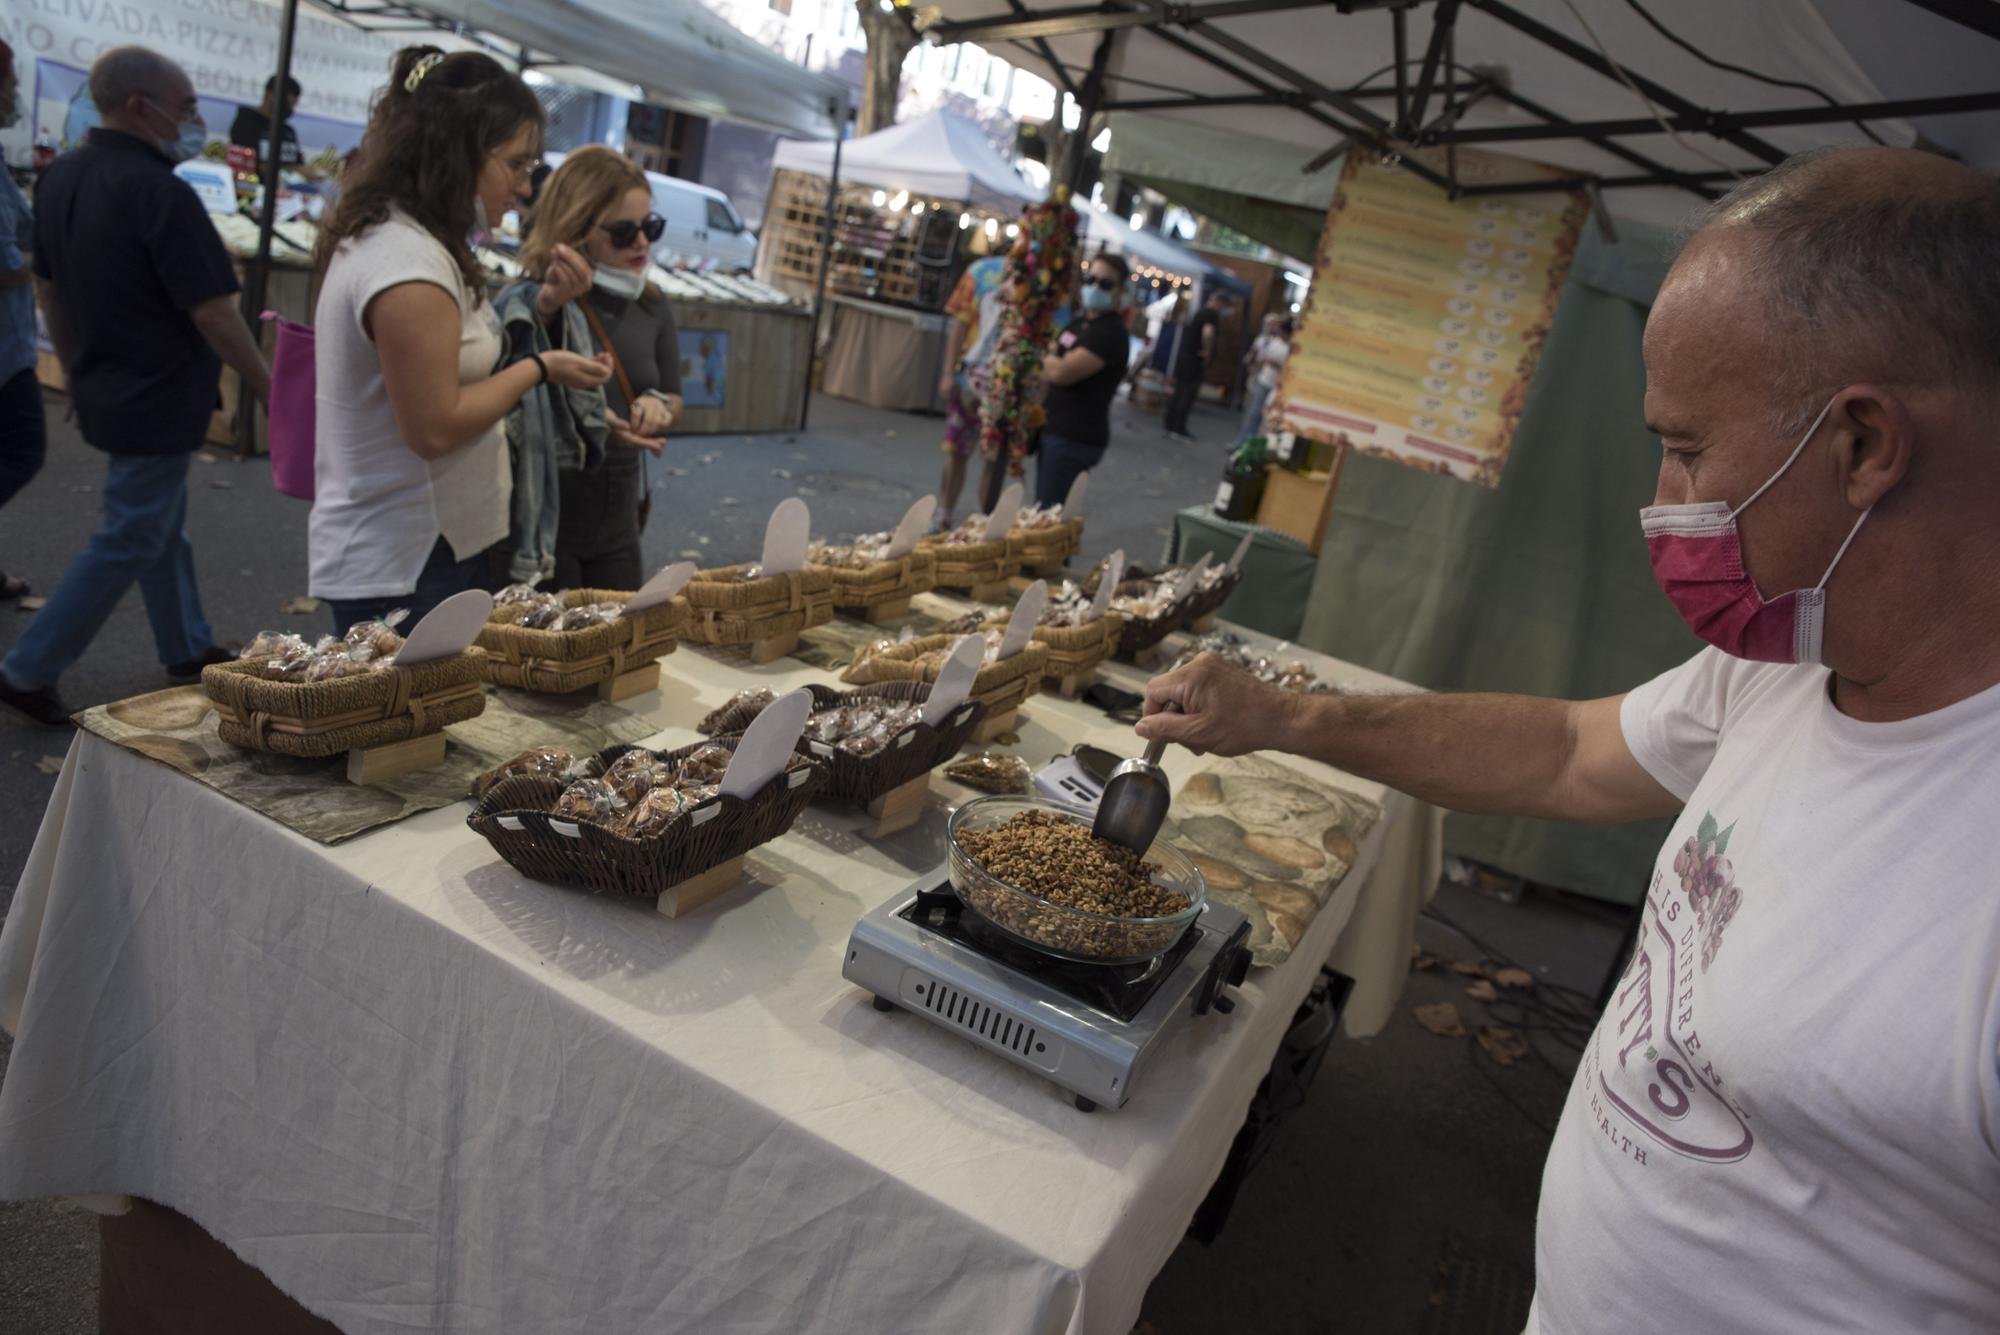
(941, 155)
(674, 53)
(1272, 68)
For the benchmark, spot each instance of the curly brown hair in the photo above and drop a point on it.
(425, 147)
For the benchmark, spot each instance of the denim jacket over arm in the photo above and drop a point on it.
(551, 431)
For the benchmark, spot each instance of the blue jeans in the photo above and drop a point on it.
(442, 576)
(1253, 412)
(23, 440)
(142, 539)
(1058, 464)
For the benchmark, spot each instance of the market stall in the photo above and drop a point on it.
(404, 1081)
(744, 352)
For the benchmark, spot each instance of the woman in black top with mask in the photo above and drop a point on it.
(1083, 373)
(590, 243)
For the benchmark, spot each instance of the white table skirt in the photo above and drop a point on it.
(421, 1092)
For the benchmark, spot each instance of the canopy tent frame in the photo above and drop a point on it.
(1190, 28)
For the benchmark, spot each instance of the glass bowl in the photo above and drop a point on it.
(1072, 934)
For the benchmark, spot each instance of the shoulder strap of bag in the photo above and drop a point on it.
(604, 341)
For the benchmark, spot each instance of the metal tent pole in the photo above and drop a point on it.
(256, 286)
(825, 261)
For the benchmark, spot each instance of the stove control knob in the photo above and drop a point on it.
(1224, 1005)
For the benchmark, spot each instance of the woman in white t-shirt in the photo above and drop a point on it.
(412, 479)
(1267, 360)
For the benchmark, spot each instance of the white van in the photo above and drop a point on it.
(704, 231)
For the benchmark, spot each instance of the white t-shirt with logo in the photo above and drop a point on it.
(1788, 1119)
(379, 506)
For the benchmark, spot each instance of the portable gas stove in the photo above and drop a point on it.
(1086, 1027)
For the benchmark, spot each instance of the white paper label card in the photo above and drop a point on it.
(1193, 576)
(785, 537)
(916, 523)
(1027, 615)
(1073, 504)
(955, 678)
(767, 743)
(1107, 585)
(1242, 550)
(1004, 511)
(660, 588)
(449, 629)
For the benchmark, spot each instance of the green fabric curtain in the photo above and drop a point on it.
(1285, 228)
(1539, 586)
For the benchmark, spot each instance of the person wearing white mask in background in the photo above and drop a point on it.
(1788, 1118)
(586, 253)
(140, 299)
(412, 477)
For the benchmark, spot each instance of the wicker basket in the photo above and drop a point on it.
(1204, 601)
(561, 661)
(974, 565)
(1044, 550)
(315, 719)
(1001, 686)
(883, 582)
(514, 818)
(728, 609)
(1073, 650)
(858, 780)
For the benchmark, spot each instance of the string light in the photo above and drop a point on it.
(880, 199)
(964, 221)
(916, 209)
(992, 227)
(902, 198)
(1013, 230)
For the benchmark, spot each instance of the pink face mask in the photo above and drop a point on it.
(1697, 557)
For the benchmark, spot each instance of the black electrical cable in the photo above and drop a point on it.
(1725, 66)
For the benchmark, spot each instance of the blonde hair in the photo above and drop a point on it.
(576, 196)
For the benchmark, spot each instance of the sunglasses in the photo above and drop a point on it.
(623, 234)
(1102, 284)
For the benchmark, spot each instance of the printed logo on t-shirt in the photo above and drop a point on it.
(1649, 1082)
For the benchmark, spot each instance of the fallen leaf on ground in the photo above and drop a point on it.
(690, 553)
(1441, 1019)
(31, 603)
(804, 491)
(890, 434)
(1482, 991)
(221, 483)
(728, 500)
(1421, 959)
(703, 541)
(781, 472)
(298, 607)
(1514, 978)
(1008, 739)
(1468, 968)
(208, 458)
(1505, 1046)
(676, 472)
(49, 764)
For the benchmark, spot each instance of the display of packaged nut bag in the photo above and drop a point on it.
(991, 772)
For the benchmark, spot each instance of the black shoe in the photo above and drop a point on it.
(187, 671)
(44, 706)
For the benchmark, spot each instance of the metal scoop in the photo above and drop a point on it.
(1135, 799)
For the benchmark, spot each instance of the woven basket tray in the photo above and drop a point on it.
(514, 818)
(1047, 548)
(978, 563)
(858, 780)
(726, 609)
(327, 718)
(1139, 634)
(561, 661)
(1073, 650)
(1203, 601)
(999, 686)
(883, 582)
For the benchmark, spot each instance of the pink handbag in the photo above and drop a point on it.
(293, 381)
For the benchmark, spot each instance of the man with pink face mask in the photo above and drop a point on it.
(1788, 1119)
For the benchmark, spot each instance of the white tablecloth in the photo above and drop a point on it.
(421, 1092)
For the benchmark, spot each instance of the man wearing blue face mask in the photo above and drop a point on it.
(1083, 373)
(140, 299)
(1788, 1118)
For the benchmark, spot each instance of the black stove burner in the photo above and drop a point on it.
(1119, 991)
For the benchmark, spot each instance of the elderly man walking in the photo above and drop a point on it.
(139, 295)
(1788, 1119)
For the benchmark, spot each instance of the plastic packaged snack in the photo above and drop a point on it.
(651, 816)
(543, 613)
(591, 800)
(381, 636)
(516, 593)
(737, 713)
(637, 773)
(991, 772)
(963, 625)
(292, 665)
(829, 725)
(335, 665)
(706, 766)
(550, 761)
(694, 794)
(273, 644)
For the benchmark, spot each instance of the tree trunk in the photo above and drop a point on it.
(890, 40)
(1065, 146)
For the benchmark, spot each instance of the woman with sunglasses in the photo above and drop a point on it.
(590, 244)
(411, 472)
